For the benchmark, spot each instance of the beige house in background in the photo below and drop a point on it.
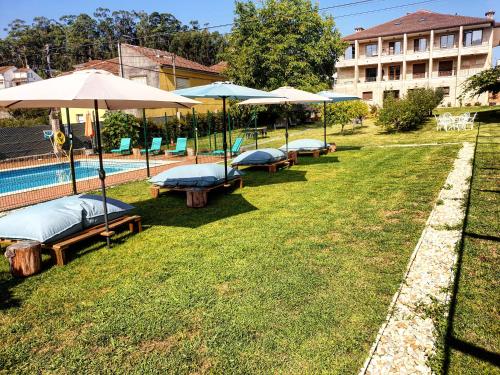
(421, 49)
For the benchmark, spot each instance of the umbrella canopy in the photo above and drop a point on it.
(288, 95)
(336, 97)
(82, 88)
(91, 89)
(224, 90)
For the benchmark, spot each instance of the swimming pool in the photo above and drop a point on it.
(29, 178)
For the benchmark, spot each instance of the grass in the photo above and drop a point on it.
(367, 135)
(472, 345)
(291, 274)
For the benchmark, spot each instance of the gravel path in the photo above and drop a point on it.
(407, 338)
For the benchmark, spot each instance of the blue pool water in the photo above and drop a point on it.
(15, 180)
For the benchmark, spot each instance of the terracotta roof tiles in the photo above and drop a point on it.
(166, 58)
(421, 20)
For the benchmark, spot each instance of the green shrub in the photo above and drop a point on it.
(117, 125)
(344, 112)
(409, 113)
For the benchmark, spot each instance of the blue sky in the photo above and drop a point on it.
(216, 12)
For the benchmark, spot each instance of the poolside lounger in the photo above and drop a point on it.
(124, 148)
(155, 147)
(59, 247)
(235, 150)
(180, 147)
(268, 158)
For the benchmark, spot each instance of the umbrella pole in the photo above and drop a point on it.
(195, 128)
(224, 139)
(102, 173)
(71, 156)
(146, 140)
(230, 136)
(324, 122)
(209, 122)
(286, 128)
(255, 130)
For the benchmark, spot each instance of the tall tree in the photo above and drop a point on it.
(282, 42)
(482, 82)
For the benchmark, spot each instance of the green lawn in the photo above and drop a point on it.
(291, 274)
(473, 345)
(366, 135)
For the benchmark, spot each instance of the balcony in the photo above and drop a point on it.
(477, 49)
(345, 63)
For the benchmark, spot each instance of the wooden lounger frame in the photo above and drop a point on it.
(58, 248)
(318, 152)
(196, 197)
(271, 167)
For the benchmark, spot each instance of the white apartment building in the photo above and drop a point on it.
(421, 49)
(11, 76)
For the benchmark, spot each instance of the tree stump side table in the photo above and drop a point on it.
(24, 258)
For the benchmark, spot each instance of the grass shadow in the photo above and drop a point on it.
(348, 148)
(170, 209)
(256, 178)
(323, 159)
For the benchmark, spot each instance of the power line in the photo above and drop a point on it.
(388, 8)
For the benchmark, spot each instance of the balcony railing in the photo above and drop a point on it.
(418, 75)
(370, 79)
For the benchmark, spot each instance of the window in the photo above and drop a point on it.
(473, 38)
(445, 68)
(394, 72)
(371, 50)
(181, 83)
(418, 71)
(371, 74)
(420, 45)
(394, 48)
(368, 95)
(350, 52)
(393, 93)
(445, 90)
(447, 41)
(79, 118)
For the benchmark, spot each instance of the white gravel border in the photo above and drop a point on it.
(407, 338)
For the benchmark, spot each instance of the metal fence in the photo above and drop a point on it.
(32, 170)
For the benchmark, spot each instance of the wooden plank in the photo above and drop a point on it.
(196, 196)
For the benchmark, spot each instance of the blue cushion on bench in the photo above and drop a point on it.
(259, 157)
(305, 145)
(93, 209)
(195, 175)
(44, 222)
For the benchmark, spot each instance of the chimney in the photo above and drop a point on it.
(358, 29)
(489, 14)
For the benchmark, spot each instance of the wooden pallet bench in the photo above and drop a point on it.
(196, 197)
(318, 152)
(58, 248)
(271, 167)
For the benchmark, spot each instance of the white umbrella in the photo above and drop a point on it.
(290, 95)
(96, 89)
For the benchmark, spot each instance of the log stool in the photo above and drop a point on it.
(293, 157)
(24, 258)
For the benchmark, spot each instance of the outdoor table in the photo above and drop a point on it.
(252, 133)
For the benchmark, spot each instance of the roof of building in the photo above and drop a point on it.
(166, 59)
(421, 20)
(111, 65)
(220, 66)
(3, 69)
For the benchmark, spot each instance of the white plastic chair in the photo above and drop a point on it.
(461, 122)
(470, 121)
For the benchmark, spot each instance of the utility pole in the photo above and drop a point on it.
(47, 52)
(120, 60)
